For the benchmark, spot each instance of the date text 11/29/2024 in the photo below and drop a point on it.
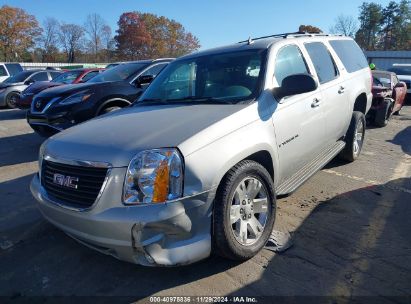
(202, 299)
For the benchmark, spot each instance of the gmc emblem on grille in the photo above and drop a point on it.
(66, 181)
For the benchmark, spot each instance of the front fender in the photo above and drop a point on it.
(205, 168)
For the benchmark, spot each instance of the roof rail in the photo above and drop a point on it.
(289, 35)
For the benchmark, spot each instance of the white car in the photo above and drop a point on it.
(403, 71)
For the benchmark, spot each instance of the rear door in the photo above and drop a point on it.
(298, 121)
(334, 101)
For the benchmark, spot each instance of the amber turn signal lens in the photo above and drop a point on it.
(161, 183)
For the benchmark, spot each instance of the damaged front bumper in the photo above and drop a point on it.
(169, 234)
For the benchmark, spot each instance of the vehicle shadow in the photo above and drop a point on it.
(11, 114)
(19, 149)
(403, 139)
(357, 243)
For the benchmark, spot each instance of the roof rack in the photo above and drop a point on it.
(288, 35)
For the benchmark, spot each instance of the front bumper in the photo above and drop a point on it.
(171, 234)
(48, 124)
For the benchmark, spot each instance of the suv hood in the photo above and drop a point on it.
(118, 136)
(70, 89)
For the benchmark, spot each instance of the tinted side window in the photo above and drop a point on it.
(14, 68)
(42, 76)
(350, 54)
(154, 70)
(3, 71)
(322, 60)
(89, 76)
(54, 74)
(289, 61)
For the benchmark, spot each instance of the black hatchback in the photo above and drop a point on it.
(59, 108)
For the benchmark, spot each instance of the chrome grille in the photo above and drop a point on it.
(75, 186)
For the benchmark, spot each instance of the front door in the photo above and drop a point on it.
(298, 120)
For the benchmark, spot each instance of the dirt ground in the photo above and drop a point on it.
(350, 223)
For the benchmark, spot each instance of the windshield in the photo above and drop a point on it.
(401, 70)
(222, 78)
(382, 81)
(67, 77)
(124, 71)
(20, 77)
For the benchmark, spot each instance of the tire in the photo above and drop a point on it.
(398, 112)
(11, 100)
(383, 115)
(353, 142)
(109, 109)
(227, 242)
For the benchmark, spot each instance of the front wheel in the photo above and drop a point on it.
(11, 100)
(354, 138)
(244, 211)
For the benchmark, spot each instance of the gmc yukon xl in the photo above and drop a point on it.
(195, 166)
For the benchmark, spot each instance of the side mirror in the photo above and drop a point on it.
(143, 80)
(295, 84)
(29, 81)
(401, 85)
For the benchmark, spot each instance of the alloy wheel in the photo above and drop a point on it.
(249, 211)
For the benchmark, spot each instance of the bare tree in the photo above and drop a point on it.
(71, 39)
(107, 42)
(345, 25)
(94, 27)
(50, 38)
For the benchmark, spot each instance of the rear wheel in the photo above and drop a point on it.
(354, 138)
(11, 100)
(383, 115)
(244, 211)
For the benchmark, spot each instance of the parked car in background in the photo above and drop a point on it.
(388, 97)
(69, 77)
(196, 164)
(11, 88)
(59, 108)
(8, 69)
(403, 72)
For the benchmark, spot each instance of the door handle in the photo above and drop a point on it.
(316, 102)
(341, 90)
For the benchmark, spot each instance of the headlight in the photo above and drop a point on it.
(154, 176)
(76, 98)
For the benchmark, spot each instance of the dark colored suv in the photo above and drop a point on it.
(59, 108)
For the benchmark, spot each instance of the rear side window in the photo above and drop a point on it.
(3, 71)
(54, 74)
(323, 63)
(14, 68)
(154, 70)
(89, 76)
(42, 76)
(350, 54)
(289, 61)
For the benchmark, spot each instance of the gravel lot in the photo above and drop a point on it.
(350, 223)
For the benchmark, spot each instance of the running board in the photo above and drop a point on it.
(296, 180)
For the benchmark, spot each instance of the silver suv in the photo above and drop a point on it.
(195, 166)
